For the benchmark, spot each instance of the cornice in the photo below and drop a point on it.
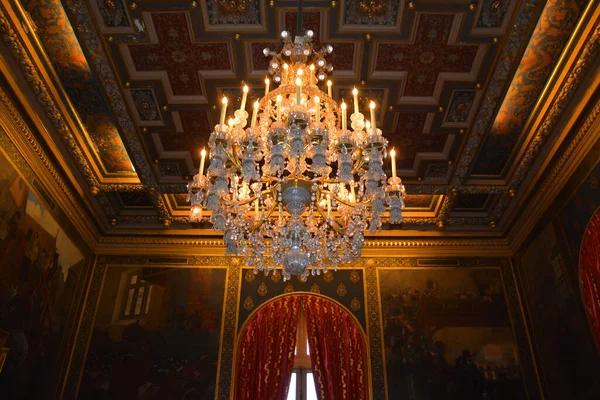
(562, 171)
(583, 48)
(164, 246)
(26, 153)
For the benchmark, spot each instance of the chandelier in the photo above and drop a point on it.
(296, 188)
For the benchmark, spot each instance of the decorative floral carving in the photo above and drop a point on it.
(354, 276)
(315, 288)
(248, 303)
(341, 290)
(249, 276)
(262, 289)
(355, 304)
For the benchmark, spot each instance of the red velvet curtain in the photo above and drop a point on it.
(265, 356)
(337, 351)
(589, 265)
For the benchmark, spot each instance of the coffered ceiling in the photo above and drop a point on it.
(470, 94)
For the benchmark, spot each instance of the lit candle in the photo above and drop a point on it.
(317, 109)
(203, 156)
(278, 98)
(393, 155)
(231, 123)
(285, 74)
(254, 114)
(344, 117)
(352, 194)
(329, 83)
(267, 83)
(298, 90)
(328, 205)
(223, 109)
(372, 106)
(368, 126)
(355, 93)
(312, 73)
(244, 97)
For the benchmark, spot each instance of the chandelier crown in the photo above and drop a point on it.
(297, 188)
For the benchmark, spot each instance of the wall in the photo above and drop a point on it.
(425, 319)
(548, 269)
(40, 271)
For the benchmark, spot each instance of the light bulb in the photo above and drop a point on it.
(307, 52)
(287, 52)
(329, 48)
(321, 62)
(321, 76)
(284, 34)
(266, 51)
(310, 33)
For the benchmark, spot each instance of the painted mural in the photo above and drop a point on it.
(568, 357)
(447, 335)
(156, 334)
(39, 270)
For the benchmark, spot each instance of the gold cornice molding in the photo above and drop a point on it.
(27, 153)
(562, 171)
(164, 246)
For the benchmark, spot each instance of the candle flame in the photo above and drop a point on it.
(372, 104)
(256, 104)
(393, 152)
(329, 83)
(203, 152)
(245, 89)
(224, 101)
(317, 99)
(267, 81)
(343, 105)
(355, 91)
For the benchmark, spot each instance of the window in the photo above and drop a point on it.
(139, 295)
(302, 384)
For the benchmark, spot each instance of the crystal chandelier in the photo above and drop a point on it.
(296, 188)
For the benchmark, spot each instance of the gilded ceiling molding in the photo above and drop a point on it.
(560, 102)
(167, 246)
(99, 60)
(495, 90)
(26, 153)
(571, 84)
(13, 42)
(585, 137)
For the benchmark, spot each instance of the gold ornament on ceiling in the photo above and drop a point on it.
(341, 290)
(315, 288)
(354, 276)
(232, 7)
(371, 8)
(328, 277)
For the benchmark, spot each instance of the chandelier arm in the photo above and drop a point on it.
(329, 220)
(262, 222)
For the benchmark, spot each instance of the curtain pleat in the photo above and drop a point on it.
(590, 274)
(265, 356)
(337, 351)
